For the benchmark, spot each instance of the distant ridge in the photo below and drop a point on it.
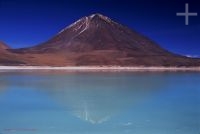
(3, 46)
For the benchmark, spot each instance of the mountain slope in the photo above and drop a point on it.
(98, 32)
(98, 40)
(3, 46)
(8, 58)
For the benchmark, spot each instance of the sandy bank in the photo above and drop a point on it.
(100, 68)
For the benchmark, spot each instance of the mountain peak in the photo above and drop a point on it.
(100, 16)
(87, 20)
(97, 15)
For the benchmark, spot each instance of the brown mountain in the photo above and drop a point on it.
(98, 40)
(3, 46)
(7, 58)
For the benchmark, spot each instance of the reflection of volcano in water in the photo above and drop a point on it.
(90, 97)
(92, 105)
(92, 116)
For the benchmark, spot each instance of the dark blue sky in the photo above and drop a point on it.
(26, 23)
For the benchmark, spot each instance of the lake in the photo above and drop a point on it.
(99, 102)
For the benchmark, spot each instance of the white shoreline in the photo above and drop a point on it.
(100, 68)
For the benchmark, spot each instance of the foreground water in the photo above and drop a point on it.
(100, 103)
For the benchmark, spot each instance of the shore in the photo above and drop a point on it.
(100, 68)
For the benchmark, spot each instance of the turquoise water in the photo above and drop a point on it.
(100, 103)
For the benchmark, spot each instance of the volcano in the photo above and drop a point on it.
(96, 40)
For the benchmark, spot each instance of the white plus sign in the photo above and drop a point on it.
(186, 14)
